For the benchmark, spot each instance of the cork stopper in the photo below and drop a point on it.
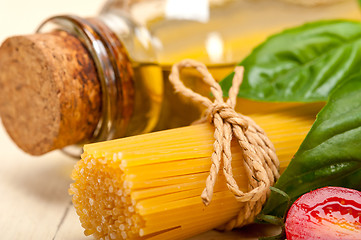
(50, 95)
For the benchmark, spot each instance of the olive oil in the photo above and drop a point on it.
(129, 48)
(157, 36)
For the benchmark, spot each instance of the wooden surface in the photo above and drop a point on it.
(34, 202)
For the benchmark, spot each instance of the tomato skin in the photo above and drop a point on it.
(329, 213)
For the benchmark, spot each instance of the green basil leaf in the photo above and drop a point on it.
(301, 64)
(331, 152)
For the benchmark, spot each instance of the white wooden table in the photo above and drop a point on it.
(34, 201)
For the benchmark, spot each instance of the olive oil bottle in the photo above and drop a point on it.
(80, 80)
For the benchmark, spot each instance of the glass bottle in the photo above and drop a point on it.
(151, 35)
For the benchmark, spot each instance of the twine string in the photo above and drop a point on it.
(260, 160)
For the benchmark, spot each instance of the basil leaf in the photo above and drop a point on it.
(301, 64)
(331, 152)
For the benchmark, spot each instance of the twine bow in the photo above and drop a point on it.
(260, 160)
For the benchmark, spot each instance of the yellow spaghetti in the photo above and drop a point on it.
(149, 186)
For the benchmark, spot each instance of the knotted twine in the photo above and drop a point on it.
(260, 160)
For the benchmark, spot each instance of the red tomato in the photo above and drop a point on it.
(330, 213)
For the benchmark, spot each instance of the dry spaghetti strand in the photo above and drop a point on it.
(259, 154)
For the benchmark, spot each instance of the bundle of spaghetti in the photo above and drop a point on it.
(149, 186)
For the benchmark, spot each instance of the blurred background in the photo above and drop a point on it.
(20, 16)
(30, 208)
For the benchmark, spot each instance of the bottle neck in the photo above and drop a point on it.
(113, 67)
